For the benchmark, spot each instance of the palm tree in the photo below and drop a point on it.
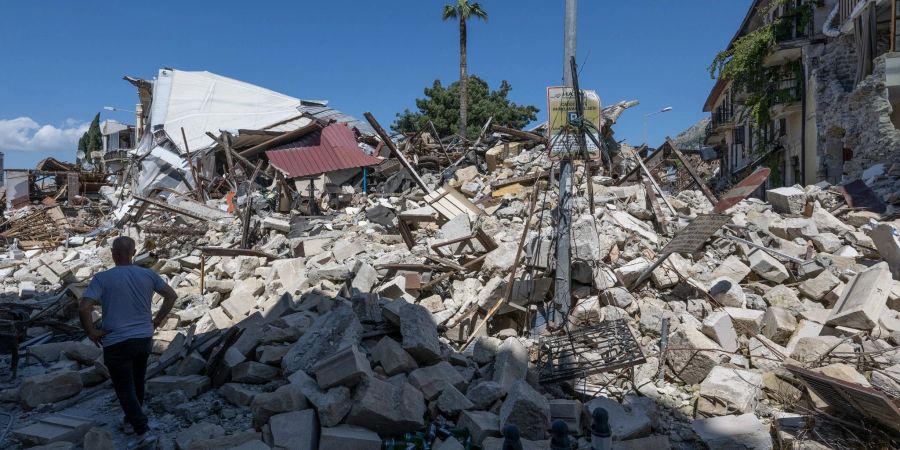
(463, 10)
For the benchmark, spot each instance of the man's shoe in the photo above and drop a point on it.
(146, 441)
(126, 427)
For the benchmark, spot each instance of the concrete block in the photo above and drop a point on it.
(787, 200)
(526, 409)
(718, 327)
(392, 357)
(48, 388)
(691, 366)
(767, 266)
(728, 390)
(253, 372)
(348, 437)
(778, 324)
(296, 430)
(863, 299)
(344, 368)
(745, 320)
(511, 363)
(192, 385)
(731, 432)
(54, 428)
(480, 424)
(432, 380)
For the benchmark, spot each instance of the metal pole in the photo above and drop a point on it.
(570, 34)
(563, 281)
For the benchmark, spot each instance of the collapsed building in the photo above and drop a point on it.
(338, 289)
(834, 116)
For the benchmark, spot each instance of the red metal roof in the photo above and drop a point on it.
(337, 150)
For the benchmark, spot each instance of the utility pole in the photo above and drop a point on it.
(563, 278)
(570, 33)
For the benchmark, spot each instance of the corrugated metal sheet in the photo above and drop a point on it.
(337, 150)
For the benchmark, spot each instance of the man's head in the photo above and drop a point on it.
(123, 250)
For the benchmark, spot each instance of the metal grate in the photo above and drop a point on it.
(607, 346)
(850, 398)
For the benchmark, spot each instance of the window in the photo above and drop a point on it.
(782, 127)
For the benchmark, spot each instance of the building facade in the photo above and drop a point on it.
(836, 86)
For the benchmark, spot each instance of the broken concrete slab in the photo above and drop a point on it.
(191, 385)
(198, 431)
(48, 388)
(767, 266)
(332, 405)
(719, 327)
(623, 423)
(348, 437)
(392, 357)
(787, 200)
(863, 299)
(727, 292)
(817, 288)
(432, 380)
(345, 367)
(511, 363)
(727, 390)
(526, 409)
(387, 409)
(886, 240)
(295, 430)
(253, 372)
(284, 399)
(419, 332)
(692, 366)
(451, 402)
(480, 425)
(54, 428)
(731, 432)
(778, 324)
(338, 328)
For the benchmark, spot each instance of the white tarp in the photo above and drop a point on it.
(203, 101)
(17, 189)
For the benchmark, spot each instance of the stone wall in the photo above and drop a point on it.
(857, 119)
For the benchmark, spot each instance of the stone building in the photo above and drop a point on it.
(837, 81)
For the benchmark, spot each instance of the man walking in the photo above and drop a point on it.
(125, 293)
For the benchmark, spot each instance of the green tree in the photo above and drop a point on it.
(91, 140)
(441, 105)
(462, 10)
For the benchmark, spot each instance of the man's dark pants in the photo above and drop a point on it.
(127, 364)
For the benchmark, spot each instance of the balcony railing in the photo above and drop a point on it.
(794, 23)
(788, 90)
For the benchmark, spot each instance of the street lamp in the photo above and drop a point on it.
(113, 108)
(647, 116)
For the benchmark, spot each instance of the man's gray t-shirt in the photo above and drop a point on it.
(125, 294)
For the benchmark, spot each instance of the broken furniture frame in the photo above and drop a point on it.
(567, 355)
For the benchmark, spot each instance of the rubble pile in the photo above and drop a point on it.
(424, 315)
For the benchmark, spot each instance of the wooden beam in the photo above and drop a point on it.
(393, 148)
(519, 134)
(693, 173)
(283, 139)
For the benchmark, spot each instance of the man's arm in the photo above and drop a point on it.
(169, 296)
(85, 308)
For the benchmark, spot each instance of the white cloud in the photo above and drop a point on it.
(23, 134)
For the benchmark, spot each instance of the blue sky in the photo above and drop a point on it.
(64, 60)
